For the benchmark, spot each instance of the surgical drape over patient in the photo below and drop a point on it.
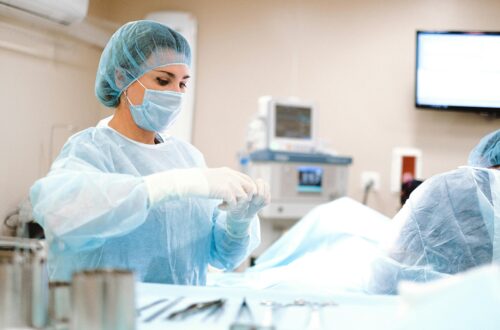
(487, 152)
(449, 224)
(95, 210)
(136, 48)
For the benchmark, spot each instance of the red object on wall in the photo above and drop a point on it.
(408, 168)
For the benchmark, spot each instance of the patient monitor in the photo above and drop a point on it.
(283, 124)
(281, 149)
(299, 181)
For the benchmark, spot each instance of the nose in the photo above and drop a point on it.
(176, 88)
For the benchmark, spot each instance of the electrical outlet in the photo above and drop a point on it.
(367, 177)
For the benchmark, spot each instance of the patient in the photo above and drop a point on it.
(446, 226)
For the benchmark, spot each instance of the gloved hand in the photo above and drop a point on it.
(218, 183)
(240, 215)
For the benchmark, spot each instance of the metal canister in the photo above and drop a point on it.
(103, 299)
(59, 304)
(23, 283)
(10, 298)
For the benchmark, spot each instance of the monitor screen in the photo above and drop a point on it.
(458, 70)
(293, 122)
(310, 179)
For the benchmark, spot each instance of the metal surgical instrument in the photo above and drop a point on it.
(195, 308)
(163, 310)
(154, 303)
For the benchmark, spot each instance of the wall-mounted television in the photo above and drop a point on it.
(458, 70)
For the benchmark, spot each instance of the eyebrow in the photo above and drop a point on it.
(170, 74)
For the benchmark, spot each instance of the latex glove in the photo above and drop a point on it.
(239, 217)
(218, 183)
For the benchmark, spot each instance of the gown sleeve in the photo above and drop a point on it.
(227, 252)
(81, 204)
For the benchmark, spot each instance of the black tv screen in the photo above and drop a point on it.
(458, 71)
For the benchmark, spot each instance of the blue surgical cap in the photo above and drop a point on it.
(134, 49)
(487, 152)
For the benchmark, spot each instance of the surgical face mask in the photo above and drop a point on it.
(158, 111)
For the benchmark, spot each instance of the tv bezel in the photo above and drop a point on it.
(483, 110)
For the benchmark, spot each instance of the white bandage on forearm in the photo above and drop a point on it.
(175, 184)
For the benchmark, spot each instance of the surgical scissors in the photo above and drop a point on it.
(314, 322)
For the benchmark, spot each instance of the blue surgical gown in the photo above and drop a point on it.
(95, 210)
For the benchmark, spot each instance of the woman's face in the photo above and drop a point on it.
(172, 77)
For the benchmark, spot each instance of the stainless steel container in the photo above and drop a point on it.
(23, 283)
(59, 304)
(103, 299)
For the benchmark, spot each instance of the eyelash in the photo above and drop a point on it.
(163, 82)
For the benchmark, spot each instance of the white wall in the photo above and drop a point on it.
(46, 84)
(355, 58)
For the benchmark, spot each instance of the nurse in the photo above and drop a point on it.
(127, 196)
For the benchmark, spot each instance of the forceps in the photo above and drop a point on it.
(298, 302)
(154, 303)
(216, 311)
(196, 308)
(163, 310)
